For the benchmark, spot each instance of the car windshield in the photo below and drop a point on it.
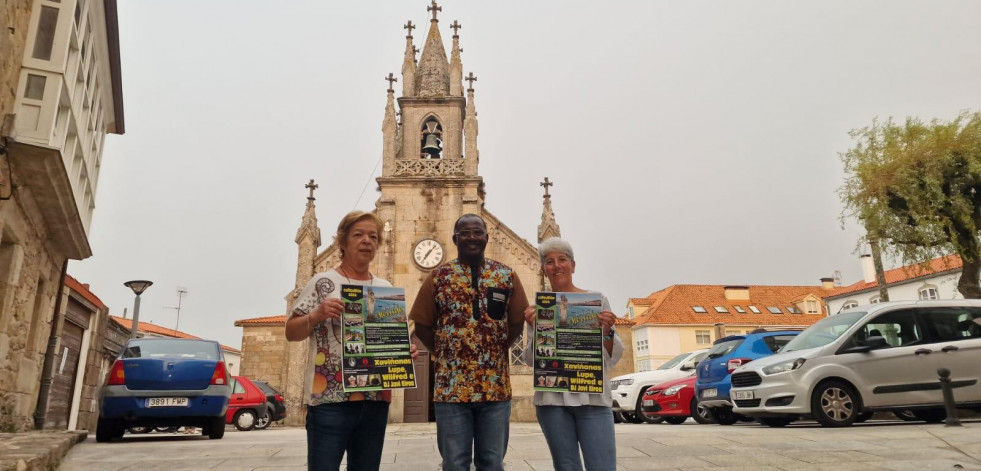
(725, 347)
(824, 332)
(674, 361)
(176, 348)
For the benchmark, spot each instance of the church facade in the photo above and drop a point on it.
(429, 179)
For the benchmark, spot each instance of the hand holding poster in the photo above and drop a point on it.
(568, 342)
(376, 342)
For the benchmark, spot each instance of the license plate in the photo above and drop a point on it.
(648, 402)
(742, 394)
(166, 402)
(711, 392)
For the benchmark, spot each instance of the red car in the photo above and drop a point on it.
(675, 402)
(246, 405)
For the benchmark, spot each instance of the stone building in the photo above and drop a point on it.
(59, 97)
(429, 179)
(935, 279)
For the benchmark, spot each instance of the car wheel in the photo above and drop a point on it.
(905, 414)
(650, 418)
(835, 404)
(723, 415)
(931, 416)
(263, 422)
(644, 416)
(105, 430)
(245, 420)
(139, 430)
(776, 421)
(864, 416)
(699, 413)
(216, 429)
(675, 420)
(167, 429)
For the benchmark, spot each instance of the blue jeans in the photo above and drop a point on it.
(473, 431)
(357, 427)
(568, 429)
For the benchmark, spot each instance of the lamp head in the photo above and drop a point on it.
(138, 286)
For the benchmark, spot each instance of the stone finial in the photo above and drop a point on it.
(391, 78)
(456, 27)
(409, 26)
(548, 228)
(456, 66)
(312, 186)
(409, 67)
(471, 78)
(545, 184)
(433, 68)
(434, 8)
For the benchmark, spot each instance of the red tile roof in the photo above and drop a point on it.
(150, 328)
(83, 290)
(269, 320)
(951, 263)
(673, 306)
(623, 321)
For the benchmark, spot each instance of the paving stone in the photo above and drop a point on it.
(669, 462)
(929, 465)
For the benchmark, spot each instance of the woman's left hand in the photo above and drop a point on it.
(607, 319)
(413, 350)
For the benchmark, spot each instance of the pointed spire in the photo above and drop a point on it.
(389, 130)
(434, 77)
(308, 239)
(409, 63)
(471, 156)
(548, 227)
(456, 66)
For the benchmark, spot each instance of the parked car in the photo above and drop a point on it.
(878, 357)
(728, 353)
(628, 389)
(246, 405)
(165, 383)
(675, 401)
(275, 405)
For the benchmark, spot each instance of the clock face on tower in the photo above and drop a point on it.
(427, 253)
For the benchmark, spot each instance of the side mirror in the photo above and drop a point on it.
(688, 366)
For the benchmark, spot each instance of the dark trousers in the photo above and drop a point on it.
(357, 428)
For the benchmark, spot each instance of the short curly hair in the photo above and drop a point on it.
(555, 244)
(352, 218)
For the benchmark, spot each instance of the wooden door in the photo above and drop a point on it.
(63, 380)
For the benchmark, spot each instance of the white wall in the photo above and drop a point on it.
(945, 284)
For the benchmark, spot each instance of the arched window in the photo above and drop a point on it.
(849, 304)
(431, 139)
(928, 292)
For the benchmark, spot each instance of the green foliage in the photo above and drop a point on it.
(917, 186)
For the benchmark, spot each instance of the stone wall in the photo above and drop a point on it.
(26, 263)
(17, 15)
(264, 354)
(96, 368)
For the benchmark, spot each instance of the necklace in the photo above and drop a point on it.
(343, 272)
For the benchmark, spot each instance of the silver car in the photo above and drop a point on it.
(877, 357)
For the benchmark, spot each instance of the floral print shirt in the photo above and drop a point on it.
(471, 352)
(324, 381)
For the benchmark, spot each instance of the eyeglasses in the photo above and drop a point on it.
(471, 233)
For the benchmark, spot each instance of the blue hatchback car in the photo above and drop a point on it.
(728, 353)
(159, 382)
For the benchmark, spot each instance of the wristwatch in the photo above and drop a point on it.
(608, 337)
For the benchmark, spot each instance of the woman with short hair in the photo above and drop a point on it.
(340, 422)
(577, 421)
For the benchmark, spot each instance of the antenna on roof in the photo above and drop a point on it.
(181, 292)
(837, 277)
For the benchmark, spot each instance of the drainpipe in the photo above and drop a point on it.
(47, 372)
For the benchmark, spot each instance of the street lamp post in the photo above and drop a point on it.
(138, 287)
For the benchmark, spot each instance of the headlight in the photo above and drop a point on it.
(621, 382)
(673, 390)
(783, 367)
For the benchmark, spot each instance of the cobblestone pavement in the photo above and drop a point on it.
(409, 447)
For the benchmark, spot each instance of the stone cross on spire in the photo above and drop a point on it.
(391, 79)
(434, 8)
(546, 184)
(456, 28)
(409, 26)
(548, 227)
(471, 79)
(312, 186)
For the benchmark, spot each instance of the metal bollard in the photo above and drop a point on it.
(952, 419)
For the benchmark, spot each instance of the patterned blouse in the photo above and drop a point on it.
(471, 352)
(324, 382)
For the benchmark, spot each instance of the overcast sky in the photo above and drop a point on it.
(689, 141)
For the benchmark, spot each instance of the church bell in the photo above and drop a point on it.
(432, 146)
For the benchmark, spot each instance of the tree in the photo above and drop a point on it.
(917, 187)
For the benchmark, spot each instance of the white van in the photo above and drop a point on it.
(627, 390)
(878, 357)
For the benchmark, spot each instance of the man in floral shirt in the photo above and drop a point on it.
(468, 312)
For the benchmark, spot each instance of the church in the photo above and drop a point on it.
(430, 177)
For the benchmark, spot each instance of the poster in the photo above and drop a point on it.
(568, 342)
(376, 339)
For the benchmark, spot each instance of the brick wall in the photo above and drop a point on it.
(264, 354)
